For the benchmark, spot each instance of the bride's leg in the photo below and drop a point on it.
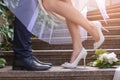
(76, 40)
(65, 8)
(79, 51)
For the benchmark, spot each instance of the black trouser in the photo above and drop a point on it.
(22, 44)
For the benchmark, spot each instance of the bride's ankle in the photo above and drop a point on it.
(73, 64)
(75, 55)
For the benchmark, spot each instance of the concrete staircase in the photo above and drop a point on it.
(58, 54)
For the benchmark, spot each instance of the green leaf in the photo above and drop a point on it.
(2, 65)
(90, 64)
(100, 51)
(117, 63)
(2, 61)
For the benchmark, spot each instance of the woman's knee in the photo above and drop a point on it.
(52, 5)
(71, 24)
(49, 4)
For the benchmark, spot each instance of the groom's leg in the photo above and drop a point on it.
(22, 46)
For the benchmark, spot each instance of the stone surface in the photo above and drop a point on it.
(59, 73)
(57, 57)
(111, 42)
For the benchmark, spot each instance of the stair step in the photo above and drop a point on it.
(111, 41)
(67, 40)
(111, 22)
(57, 57)
(114, 10)
(110, 9)
(99, 17)
(113, 30)
(58, 73)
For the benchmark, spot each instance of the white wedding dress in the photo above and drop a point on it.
(49, 26)
(82, 8)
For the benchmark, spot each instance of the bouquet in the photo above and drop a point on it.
(104, 59)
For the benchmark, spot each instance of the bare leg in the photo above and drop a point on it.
(76, 39)
(71, 21)
(65, 9)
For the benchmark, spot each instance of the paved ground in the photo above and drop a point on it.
(60, 69)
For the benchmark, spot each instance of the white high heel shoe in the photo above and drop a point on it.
(102, 38)
(82, 55)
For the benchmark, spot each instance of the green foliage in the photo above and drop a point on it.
(100, 51)
(103, 64)
(117, 63)
(6, 27)
(6, 30)
(2, 62)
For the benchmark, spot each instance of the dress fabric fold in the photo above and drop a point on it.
(47, 26)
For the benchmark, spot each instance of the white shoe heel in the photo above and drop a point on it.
(102, 38)
(82, 55)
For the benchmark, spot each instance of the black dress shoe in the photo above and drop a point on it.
(29, 64)
(43, 63)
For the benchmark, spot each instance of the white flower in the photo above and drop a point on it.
(103, 56)
(112, 58)
(94, 63)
